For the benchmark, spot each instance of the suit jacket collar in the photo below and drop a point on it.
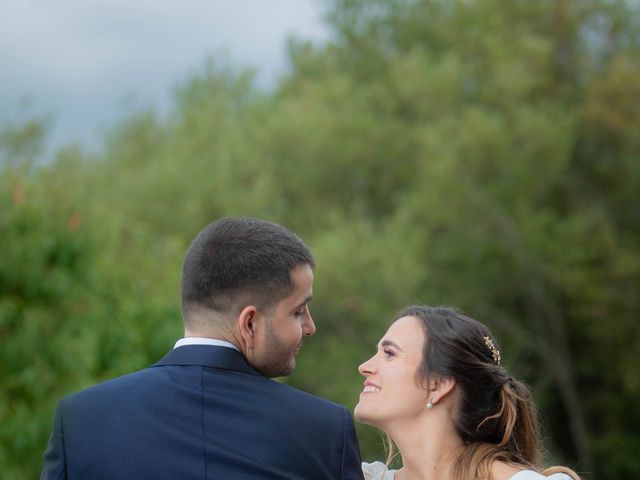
(207, 356)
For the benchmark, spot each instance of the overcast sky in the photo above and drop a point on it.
(85, 64)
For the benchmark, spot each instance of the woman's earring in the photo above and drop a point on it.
(430, 404)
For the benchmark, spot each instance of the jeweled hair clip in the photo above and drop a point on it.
(495, 353)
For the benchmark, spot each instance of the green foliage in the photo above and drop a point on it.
(478, 154)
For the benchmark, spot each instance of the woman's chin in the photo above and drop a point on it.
(361, 415)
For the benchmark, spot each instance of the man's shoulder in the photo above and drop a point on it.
(109, 387)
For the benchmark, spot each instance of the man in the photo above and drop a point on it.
(209, 409)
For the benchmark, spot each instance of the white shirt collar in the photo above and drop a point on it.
(204, 341)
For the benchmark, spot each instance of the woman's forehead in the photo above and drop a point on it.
(405, 332)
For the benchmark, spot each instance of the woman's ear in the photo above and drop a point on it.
(440, 387)
(247, 326)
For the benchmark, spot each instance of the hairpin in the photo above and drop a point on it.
(495, 353)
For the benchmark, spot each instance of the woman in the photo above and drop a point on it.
(436, 387)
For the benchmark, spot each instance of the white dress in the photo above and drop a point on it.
(378, 471)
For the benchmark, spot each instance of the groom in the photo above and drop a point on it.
(209, 409)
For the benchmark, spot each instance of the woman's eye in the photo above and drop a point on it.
(388, 353)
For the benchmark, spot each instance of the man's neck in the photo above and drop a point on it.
(200, 340)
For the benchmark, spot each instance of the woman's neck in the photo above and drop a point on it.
(429, 448)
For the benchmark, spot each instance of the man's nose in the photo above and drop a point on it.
(309, 327)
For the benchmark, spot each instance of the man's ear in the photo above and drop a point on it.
(440, 387)
(247, 320)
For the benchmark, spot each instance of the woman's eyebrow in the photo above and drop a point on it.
(389, 343)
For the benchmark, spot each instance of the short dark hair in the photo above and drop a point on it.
(238, 258)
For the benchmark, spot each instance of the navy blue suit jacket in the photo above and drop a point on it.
(202, 412)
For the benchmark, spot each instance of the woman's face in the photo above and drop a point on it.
(390, 391)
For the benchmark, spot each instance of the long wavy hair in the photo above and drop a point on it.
(497, 419)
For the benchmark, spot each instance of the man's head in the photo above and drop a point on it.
(249, 281)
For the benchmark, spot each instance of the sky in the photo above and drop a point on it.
(84, 65)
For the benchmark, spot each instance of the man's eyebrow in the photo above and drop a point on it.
(304, 302)
(389, 343)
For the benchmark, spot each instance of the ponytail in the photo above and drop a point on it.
(567, 471)
(515, 426)
(517, 419)
(520, 423)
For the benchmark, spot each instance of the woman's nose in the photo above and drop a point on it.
(366, 368)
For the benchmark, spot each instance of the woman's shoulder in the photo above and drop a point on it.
(505, 471)
(531, 475)
(377, 471)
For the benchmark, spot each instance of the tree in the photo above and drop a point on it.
(478, 154)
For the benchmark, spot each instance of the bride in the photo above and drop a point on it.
(436, 387)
